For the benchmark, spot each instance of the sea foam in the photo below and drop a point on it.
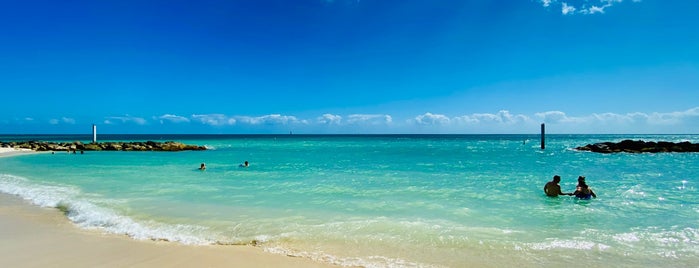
(85, 213)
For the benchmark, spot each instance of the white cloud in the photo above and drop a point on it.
(552, 116)
(68, 120)
(28, 119)
(465, 120)
(224, 120)
(566, 9)
(430, 119)
(596, 9)
(172, 118)
(612, 118)
(329, 119)
(504, 121)
(636, 122)
(125, 119)
(214, 119)
(558, 117)
(477, 122)
(369, 119)
(65, 120)
(672, 118)
(585, 7)
(272, 119)
(502, 116)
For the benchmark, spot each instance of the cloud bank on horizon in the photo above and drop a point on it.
(502, 122)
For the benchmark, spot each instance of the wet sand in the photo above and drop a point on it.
(5, 152)
(43, 237)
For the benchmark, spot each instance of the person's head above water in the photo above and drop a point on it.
(581, 179)
(556, 178)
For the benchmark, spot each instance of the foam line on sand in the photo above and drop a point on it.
(43, 237)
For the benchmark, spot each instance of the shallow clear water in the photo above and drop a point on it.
(384, 200)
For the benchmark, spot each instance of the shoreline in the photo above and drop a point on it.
(7, 152)
(34, 236)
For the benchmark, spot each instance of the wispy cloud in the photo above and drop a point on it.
(172, 118)
(566, 9)
(584, 7)
(507, 122)
(64, 120)
(272, 119)
(429, 119)
(369, 119)
(124, 120)
(672, 118)
(501, 117)
(225, 120)
(329, 119)
(503, 121)
(213, 119)
(656, 122)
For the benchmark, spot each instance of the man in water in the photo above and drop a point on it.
(202, 167)
(553, 189)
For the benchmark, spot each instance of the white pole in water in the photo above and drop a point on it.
(94, 133)
(543, 134)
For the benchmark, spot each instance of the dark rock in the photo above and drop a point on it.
(630, 146)
(92, 147)
(170, 146)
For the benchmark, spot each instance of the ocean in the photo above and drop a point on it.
(382, 200)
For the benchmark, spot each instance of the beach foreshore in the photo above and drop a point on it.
(39, 237)
(5, 151)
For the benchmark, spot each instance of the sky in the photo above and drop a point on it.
(349, 66)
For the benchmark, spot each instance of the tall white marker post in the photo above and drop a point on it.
(94, 133)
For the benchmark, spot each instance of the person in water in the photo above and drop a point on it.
(583, 191)
(553, 189)
(202, 167)
(246, 164)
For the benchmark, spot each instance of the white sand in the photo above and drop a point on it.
(41, 237)
(4, 151)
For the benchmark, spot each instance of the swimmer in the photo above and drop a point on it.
(202, 167)
(246, 164)
(583, 191)
(553, 189)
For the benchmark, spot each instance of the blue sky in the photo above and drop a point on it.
(369, 66)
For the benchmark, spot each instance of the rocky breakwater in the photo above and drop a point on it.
(631, 146)
(168, 146)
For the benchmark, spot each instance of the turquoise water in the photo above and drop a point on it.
(384, 201)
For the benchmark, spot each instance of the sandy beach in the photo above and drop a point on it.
(39, 237)
(5, 152)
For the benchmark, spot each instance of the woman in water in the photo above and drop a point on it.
(583, 191)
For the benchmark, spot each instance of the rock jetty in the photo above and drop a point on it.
(639, 146)
(168, 146)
